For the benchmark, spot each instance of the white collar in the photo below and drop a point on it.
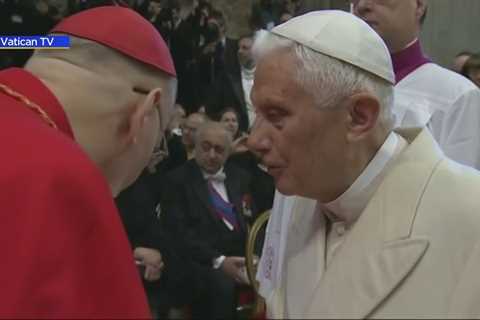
(348, 206)
(218, 176)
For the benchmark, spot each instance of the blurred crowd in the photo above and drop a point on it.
(468, 64)
(198, 33)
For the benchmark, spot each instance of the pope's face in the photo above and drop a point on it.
(302, 146)
(396, 21)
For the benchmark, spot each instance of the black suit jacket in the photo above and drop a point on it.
(262, 184)
(187, 210)
(137, 209)
(227, 91)
(184, 48)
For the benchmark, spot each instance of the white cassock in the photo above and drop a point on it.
(402, 242)
(342, 212)
(448, 104)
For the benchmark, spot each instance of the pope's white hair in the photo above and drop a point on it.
(328, 79)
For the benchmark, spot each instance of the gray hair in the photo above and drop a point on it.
(329, 80)
(214, 126)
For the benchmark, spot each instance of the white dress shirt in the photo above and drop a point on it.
(247, 85)
(218, 182)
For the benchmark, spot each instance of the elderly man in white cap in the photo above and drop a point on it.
(382, 224)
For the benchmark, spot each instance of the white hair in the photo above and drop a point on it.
(329, 80)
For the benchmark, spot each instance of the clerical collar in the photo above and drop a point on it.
(407, 60)
(348, 206)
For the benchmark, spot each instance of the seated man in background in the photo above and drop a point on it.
(166, 277)
(206, 203)
(190, 126)
(75, 131)
(261, 184)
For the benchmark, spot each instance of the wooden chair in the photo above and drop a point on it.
(258, 309)
(250, 305)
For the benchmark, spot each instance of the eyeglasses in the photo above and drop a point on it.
(161, 150)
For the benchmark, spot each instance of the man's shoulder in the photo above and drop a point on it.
(453, 189)
(461, 181)
(182, 173)
(49, 174)
(436, 82)
(43, 152)
(432, 69)
(441, 184)
(448, 209)
(233, 170)
(64, 154)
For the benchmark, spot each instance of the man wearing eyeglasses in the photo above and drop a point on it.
(78, 126)
(206, 204)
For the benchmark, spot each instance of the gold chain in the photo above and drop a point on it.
(35, 107)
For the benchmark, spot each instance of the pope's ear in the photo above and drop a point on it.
(143, 109)
(363, 111)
